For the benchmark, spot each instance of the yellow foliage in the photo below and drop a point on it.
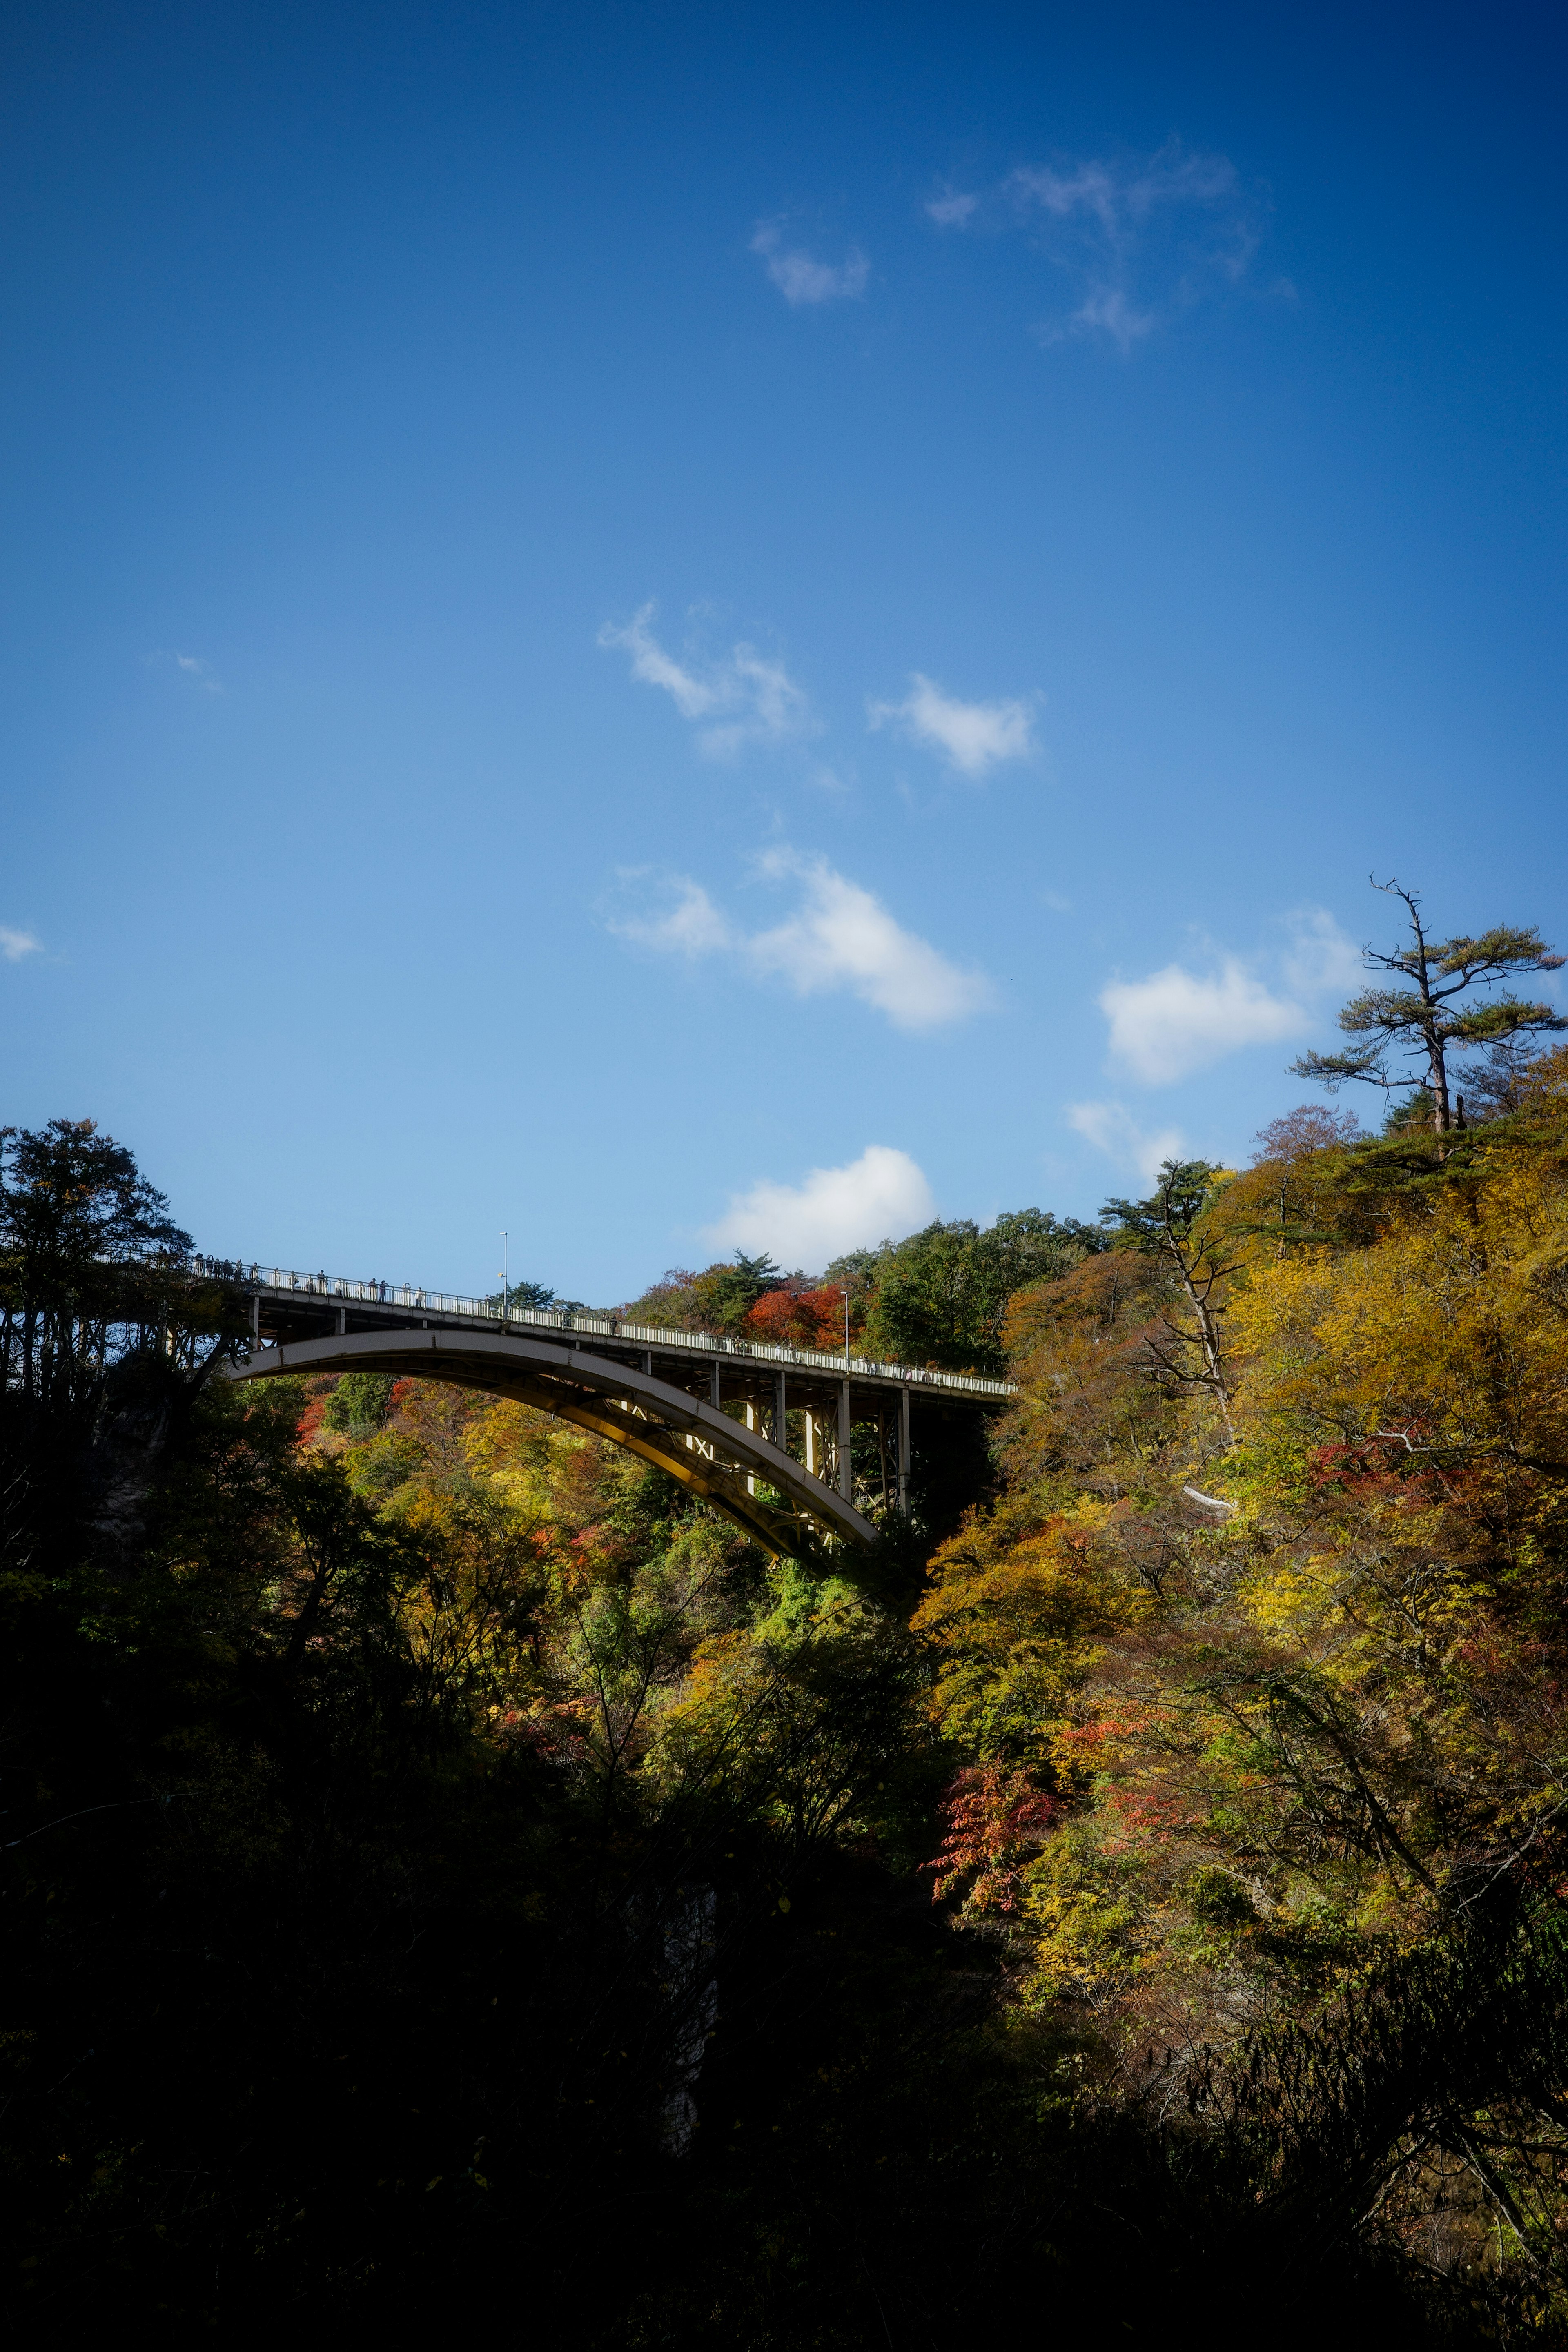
(1018, 1616)
(1336, 1707)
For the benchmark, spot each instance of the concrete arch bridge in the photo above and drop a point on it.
(763, 1434)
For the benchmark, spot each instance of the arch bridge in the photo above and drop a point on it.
(764, 1434)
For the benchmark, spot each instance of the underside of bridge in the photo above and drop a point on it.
(787, 1505)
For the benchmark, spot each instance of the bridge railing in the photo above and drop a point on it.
(343, 1290)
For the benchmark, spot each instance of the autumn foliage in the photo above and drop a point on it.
(442, 1852)
(1282, 1653)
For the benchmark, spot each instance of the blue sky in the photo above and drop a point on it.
(669, 626)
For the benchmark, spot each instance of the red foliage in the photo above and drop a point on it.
(995, 1818)
(800, 1318)
(1378, 1467)
(309, 1421)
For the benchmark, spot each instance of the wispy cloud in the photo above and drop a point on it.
(14, 945)
(1112, 1128)
(199, 672)
(971, 736)
(1178, 1019)
(1138, 240)
(880, 1196)
(691, 926)
(800, 277)
(745, 695)
(837, 937)
(1318, 954)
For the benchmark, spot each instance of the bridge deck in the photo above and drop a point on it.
(290, 1306)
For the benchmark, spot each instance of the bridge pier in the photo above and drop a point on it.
(845, 1473)
(781, 1423)
(904, 1452)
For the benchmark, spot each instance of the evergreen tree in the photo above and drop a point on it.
(1433, 1012)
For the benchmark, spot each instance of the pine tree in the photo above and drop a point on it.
(1427, 1017)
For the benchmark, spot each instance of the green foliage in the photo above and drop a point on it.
(718, 1300)
(1170, 1214)
(358, 1405)
(730, 1292)
(941, 1296)
(519, 1297)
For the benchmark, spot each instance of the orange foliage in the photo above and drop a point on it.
(995, 1818)
(802, 1318)
(309, 1424)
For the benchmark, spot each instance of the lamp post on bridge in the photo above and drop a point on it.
(846, 1471)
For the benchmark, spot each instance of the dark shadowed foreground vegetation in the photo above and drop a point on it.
(450, 1879)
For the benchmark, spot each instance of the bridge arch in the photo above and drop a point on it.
(708, 1452)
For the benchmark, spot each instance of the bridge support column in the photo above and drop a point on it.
(647, 1361)
(716, 1387)
(342, 1321)
(781, 1414)
(846, 1476)
(810, 1420)
(256, 1319)
(750, 1424)
(903, 1450)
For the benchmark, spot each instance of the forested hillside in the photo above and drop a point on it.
(939, 1297)
(450, 1877)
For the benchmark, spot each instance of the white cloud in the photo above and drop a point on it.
(840, 937)
(1177, 1020)
(14, 945)
(1320, 955)
(773, 707)
(748, 697)
(1138, 240)
(1112, 1129)
(692, 696)
(693, 927)
(973, 736)
(800, 278)
(200, 670)
(880, 1196)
